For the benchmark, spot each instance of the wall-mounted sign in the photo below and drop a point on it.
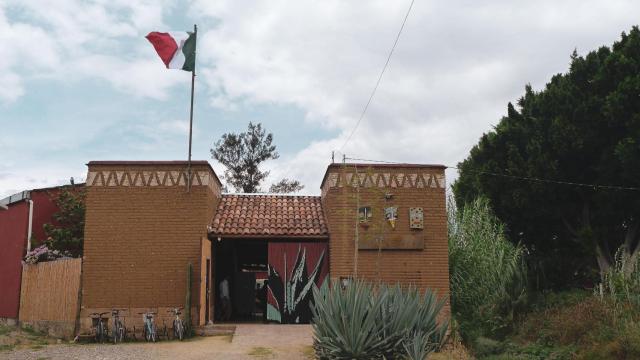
(416, 218)
(391, 214)
(364, 214)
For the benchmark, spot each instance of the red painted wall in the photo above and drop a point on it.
(13, 242)
(43, 209)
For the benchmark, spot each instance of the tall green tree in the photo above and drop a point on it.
(66, 233)
(242, 155)
(583, 127)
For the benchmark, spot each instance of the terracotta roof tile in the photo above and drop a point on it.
(269, 215)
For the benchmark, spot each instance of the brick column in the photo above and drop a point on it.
(142, 228)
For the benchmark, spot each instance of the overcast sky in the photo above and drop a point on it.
(79, 82)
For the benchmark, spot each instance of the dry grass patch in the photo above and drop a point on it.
(14, 338)
(261, 352)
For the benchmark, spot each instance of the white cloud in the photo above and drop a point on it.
(456, 66)
(74, 39)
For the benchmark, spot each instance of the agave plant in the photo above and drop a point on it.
(293, 294)
(345, 322)
(367, 322)
(411, 317)
(418, 347)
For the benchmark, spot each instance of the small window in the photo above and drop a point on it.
(364, 214)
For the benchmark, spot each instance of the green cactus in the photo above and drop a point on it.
(187, 301)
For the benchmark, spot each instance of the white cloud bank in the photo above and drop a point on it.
(74, 39)
(455, 68)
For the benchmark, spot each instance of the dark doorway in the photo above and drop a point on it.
(243, 263)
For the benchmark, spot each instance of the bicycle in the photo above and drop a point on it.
(149, 328)
(118, 330)
(100, 327)
(178, 324)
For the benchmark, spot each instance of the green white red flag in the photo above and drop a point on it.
(176, 49)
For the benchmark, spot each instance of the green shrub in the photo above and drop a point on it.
(483, 346)
(66, 233)
(366, 322)
(487, 272)
(621, 283)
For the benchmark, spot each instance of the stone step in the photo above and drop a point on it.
(216, 330)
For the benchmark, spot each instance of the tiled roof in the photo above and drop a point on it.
(269, 215)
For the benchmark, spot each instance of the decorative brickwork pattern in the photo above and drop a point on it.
(269, 215)
(383, 178)
(152, 178)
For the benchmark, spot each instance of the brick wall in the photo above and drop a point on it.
(411, 186)
(142, 229)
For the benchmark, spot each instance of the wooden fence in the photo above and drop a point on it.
(49, 296)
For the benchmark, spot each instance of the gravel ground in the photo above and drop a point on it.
(287, 342)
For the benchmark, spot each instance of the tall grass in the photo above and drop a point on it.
(621, 283)
(487, 272)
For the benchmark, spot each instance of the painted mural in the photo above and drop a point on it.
(293, 269)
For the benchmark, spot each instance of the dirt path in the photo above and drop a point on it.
(286, 342)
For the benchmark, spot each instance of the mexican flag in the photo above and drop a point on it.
(176, 49)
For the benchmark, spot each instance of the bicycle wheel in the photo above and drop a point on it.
(103, 332)
(96, 336)
(154, 335)
(120, 333)
(147, 332)
(114, 332)
(179, 329)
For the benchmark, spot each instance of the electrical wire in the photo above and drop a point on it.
(515, 177)
(375, 88)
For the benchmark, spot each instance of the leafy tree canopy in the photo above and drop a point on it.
(583, 127)
(66, 234)
(285, 186)
(242, 155)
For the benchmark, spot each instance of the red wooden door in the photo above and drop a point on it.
(294, 267)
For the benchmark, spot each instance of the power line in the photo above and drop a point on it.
(524, 178)
(549, 181)
(375, 88)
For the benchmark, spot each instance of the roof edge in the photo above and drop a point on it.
(378, 165)
(268, 194)
(270, 236)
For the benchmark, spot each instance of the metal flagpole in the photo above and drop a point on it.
(193, 80)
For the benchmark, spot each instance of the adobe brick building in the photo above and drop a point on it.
(143, 228)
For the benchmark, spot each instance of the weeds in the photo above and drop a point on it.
(621, 283)
(6, 347)
(4, 329)
(31, 331)
(573, 325)
(261, 352)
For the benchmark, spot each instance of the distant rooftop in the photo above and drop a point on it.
(26, 194)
